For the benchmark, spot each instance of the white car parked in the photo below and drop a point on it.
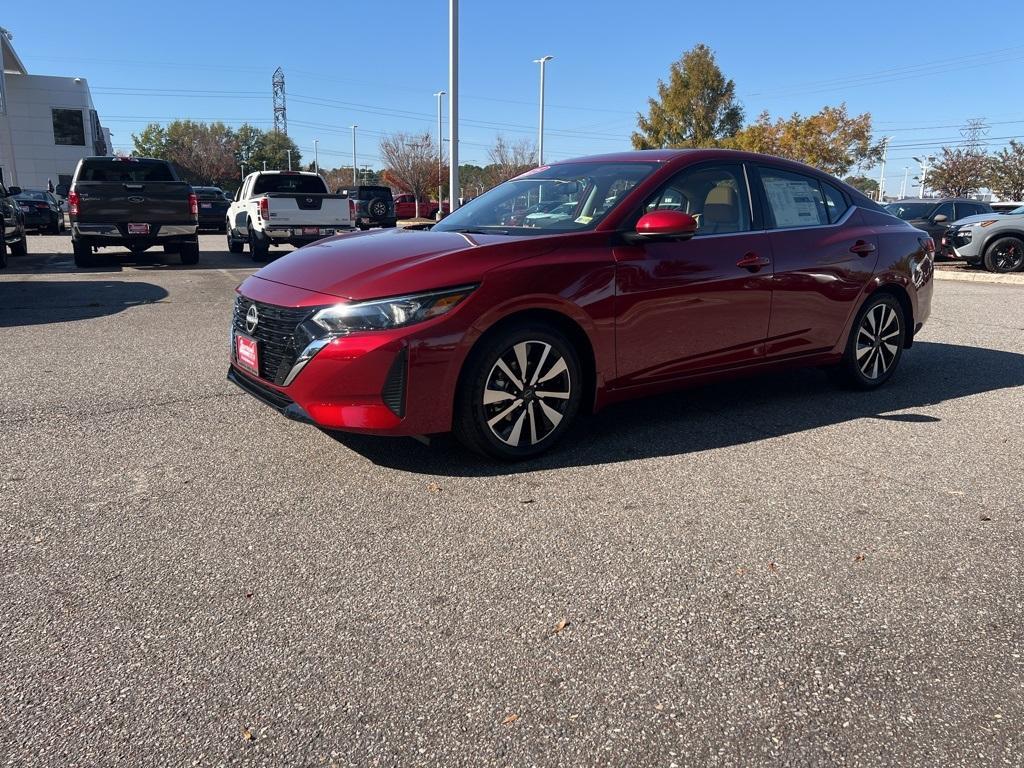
(276, 207)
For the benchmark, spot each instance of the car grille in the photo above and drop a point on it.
(276, 333)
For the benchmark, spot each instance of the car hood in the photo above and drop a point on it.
(976, 218)
(391, 262)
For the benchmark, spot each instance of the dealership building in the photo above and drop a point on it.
(47, 124)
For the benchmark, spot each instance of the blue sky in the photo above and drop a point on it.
(378, 65)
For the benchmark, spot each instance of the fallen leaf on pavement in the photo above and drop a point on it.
(248, 735)
(859, 558)
(773, 567)
(509, 719)
(561, 625)
(434, 488)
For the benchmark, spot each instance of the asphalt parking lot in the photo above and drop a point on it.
(767, 571)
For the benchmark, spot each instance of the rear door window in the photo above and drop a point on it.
(835, 202)
(794, 200)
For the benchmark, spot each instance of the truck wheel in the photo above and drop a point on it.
(189, 253)
(259, 245)
(84, 256)
(20, 248)
(235, 244)
(1005, 255)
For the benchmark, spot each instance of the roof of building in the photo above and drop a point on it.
(11, 61)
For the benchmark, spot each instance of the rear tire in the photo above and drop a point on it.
(259, 245)
(20, 248)
(875, 345)
(506, 412)
(1006, 254)
(189, 253)
(235, 245)
(84, 257)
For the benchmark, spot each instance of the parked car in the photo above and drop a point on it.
(995, 241)
(934, 216)
(405, 207)
(133, 202)
(1006, 206)
(504, 333)
(42, 211)
(373, 206)
(278, 207)
(12, 225)
(213, 208)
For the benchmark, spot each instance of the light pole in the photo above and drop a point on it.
(540, 129)
(316, 155)
(453, 104)
(923, 162)
(289, 158)
(903, 186)
(881, 176)
(354, 180)
(440, 156)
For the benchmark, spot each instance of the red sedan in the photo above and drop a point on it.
(633, 273)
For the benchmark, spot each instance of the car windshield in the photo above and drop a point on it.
(907, 211)
(365, 193)
(1015, 211)
(570, 197)
(31, 196)
(289, 183)
(209, 192)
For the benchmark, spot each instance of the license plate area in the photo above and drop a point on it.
(311, 230)
(138, 229)
(247, 353)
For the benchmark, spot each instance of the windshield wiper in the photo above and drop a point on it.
(472, 231)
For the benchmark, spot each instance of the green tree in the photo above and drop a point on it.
(959, 171)
(830, 140)
(866, 185)
(1006, 171)
(151, 141)
(273, 148)
(696, 108)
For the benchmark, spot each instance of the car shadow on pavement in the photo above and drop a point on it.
(726, 414)
(39, 302)
(116, 261)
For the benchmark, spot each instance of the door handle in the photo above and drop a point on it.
(752, 261)
(862, 248)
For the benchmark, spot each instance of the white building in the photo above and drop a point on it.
(47, 124)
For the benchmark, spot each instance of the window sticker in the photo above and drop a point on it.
(793, 202)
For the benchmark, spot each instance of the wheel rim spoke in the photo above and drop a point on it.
(517, 412)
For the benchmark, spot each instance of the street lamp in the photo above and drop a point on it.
(453, 104)
(881, 176)
(540, 130)
(923, 162)
(440, 155)
(353, 127)
(289, 158)
(316, 155)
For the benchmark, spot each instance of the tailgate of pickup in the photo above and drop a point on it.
(309, 210)
(151, 202)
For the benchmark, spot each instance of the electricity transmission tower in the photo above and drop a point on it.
(280, 108)
(974, 133)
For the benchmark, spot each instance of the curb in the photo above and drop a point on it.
(982, 277)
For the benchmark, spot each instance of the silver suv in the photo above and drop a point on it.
(996, 240)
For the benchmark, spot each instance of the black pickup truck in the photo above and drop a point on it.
(132, 202)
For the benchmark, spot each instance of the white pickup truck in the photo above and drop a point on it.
(275, 207)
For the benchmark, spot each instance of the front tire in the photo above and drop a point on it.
(519, 393)
(235, 245)
(20, 248)
(875, 345)
(1005, 255)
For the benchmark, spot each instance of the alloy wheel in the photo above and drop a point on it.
(1007, 256)
(527, 393)
(878, 339)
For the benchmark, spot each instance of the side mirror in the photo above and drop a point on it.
(666, 225)
(12, 191)
(939, 218)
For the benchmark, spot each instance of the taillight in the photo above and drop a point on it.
(265, 208)
(193, 204)
(928, 245)
(73, 203)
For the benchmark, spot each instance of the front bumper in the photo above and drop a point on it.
(381, 382)
(304, 234)
(960, 243)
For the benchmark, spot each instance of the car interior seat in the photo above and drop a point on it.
(721, 211)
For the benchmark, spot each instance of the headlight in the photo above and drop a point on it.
(381, 314)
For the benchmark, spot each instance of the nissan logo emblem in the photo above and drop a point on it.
(252, 317)
(309, 199)
(136, 199)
